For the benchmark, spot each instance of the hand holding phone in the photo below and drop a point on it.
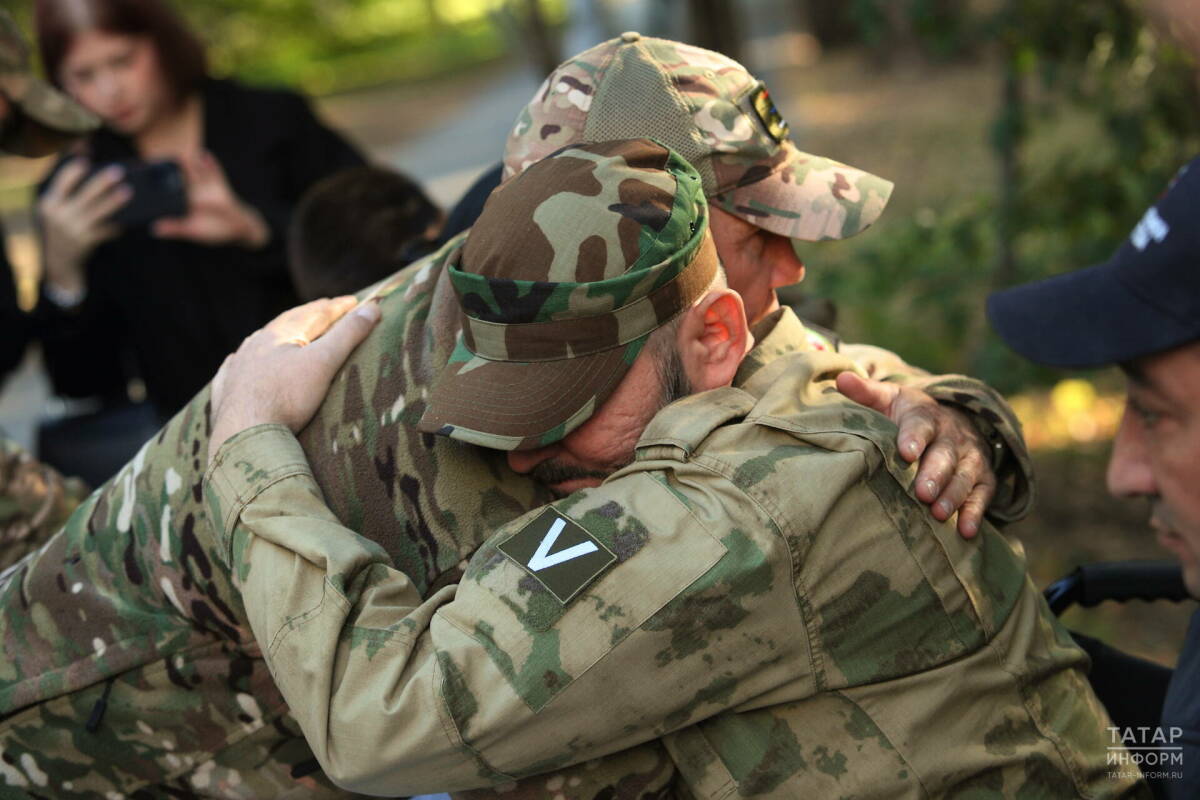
(157, 191)
(216, 215)
(75, 215)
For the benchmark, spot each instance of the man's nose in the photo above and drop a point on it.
(1129, 471)
(108, 86)
(524, 461)
(786, 265)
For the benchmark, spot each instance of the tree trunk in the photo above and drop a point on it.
(435, 17)
(541, 41)
(830, 23)
(715, 26)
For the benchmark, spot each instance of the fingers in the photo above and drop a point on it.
(346, 334)
(918, 427)
(211, 167)
(192, 168)
(99, 185)
(955, 474)
(970, 514)
(310, 320)
(106, 204)
(938, 466)
(66, 180)
(960, 485)
(867, 392)
(172, 228)
(321, 315)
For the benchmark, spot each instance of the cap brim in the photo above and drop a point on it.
(1085, 318)
(810, 198)
(506, 405)
(47, 106)
(52, 119)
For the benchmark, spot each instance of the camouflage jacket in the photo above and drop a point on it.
(34, 501)
(131, 607)
(758, 590)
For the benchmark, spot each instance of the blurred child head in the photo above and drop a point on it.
(357, 227)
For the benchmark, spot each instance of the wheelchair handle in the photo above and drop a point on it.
(1092, 584)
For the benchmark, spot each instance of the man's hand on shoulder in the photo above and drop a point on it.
(280, 374)
(955, 471)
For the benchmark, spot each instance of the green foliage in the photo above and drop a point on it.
(322, 46)
(330, 45)
(1099, 114)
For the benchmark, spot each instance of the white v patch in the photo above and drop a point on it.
(543, 558)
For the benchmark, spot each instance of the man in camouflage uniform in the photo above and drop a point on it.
(129, 621)
(753, 587)
(765, 195)
(35, 120)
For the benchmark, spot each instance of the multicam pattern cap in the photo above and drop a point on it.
(47, 118)
(715, 114)
(568, 270)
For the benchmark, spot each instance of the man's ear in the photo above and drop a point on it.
(713, 339)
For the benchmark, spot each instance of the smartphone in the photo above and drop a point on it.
(158, 191)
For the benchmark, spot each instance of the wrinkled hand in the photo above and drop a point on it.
(280, 374)
(74, 215)
(216, 215)
(955, 471)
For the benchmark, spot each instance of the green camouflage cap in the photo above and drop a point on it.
(715, 114)
(46, 119)
(570, 267)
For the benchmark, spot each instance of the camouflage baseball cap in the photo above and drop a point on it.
(570, 267)
(46, 119)
(715, 114)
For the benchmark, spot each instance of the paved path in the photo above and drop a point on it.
(449, 157)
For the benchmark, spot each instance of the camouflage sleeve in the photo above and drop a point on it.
(577, 631)
(34, 502)
(992, 415)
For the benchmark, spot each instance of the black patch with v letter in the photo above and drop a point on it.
(560, 554)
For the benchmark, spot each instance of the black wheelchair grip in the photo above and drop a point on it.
(1130, 580)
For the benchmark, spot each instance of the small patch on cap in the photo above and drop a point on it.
(774, 123)
(630, 36)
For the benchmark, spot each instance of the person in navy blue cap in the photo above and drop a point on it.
(1141, 311)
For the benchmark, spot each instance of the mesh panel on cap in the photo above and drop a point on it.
(635, 100)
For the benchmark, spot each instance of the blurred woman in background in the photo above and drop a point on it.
(179, 293)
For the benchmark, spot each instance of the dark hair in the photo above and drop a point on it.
(180, 52)
(354, 228)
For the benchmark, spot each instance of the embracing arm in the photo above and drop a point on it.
(498, 677)
(967, 437)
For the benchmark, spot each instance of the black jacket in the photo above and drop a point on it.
(179, 308)
(1181, 720)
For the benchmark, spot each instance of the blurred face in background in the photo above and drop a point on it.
(118, 78)
(1156, 453)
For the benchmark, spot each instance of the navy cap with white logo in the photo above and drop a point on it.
(1144, 300)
